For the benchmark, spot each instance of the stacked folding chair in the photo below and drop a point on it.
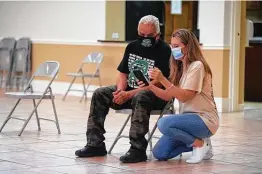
(7, 46)
(21, 65)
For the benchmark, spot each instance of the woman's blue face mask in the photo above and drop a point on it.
(177, 53)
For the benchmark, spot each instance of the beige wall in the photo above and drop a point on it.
(218, 59)
(115, 19)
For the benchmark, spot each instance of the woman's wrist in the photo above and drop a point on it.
(150, 86)
(162, 79)
(170, 87)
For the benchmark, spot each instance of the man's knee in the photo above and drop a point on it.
(99, 91)
(142, 97)
(103, 91)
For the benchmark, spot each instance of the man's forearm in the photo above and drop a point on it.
(133, 92)
(121, 85)
(121, 82)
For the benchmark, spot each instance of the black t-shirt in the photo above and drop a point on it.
(138, 57)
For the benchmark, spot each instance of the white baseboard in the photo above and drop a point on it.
(222, 104)
(241, 107)
(59, 88)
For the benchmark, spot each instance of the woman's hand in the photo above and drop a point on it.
(156, 74)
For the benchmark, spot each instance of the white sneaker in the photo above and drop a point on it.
(198, 153)
(210, 152)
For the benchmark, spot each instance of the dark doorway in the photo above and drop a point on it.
(135, 10)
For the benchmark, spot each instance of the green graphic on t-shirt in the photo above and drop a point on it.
(141, 65)
(136, 62)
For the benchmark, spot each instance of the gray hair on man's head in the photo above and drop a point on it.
(150, 19)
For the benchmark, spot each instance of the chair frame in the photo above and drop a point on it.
(83, 75)
(47, 94)
(168, 107)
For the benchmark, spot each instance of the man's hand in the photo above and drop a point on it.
(142, 85)
(120, 97)
(116, 92)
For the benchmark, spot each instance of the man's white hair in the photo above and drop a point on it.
(150, 19)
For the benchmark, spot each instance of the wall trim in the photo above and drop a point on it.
(59, 88)
(96, 43)
(76, 42)
(73, 42)
(212, 47)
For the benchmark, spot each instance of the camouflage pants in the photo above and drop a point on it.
(141, 104)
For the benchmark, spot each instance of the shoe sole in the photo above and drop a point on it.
(123, 161)
(90, 155)
(208, 157)
(136, 161)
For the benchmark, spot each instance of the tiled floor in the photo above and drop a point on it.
(237, 144)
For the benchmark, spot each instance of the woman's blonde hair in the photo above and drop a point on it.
(193, 54)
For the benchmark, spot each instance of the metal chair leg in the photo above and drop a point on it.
(100, 83)
(84, 86)
(37, 118)
(1, 79)
(30, 116)
(84, 93)
(55, 113)
(10, 114)
(150, 142)
(23, 80)
(154, 128)
(119, 134)
(69, 88)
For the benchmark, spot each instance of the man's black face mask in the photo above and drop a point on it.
(147, 42)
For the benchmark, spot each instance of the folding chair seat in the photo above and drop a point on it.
(28, 95)
(83, 75)
(48, 69)
(168, 109)
(93, 58)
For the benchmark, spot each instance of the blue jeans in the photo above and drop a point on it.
(179, 133)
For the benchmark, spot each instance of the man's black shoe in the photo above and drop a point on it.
(89, 151)
(133, 156)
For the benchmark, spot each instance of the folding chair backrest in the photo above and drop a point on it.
(5, 60)
(47, 69)
(6, 48)
(21, 58)
(23, 43)
(8, 43)
(95, 57)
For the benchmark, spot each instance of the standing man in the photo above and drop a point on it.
(147, 52)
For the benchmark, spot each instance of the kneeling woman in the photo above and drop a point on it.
(190, 83)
